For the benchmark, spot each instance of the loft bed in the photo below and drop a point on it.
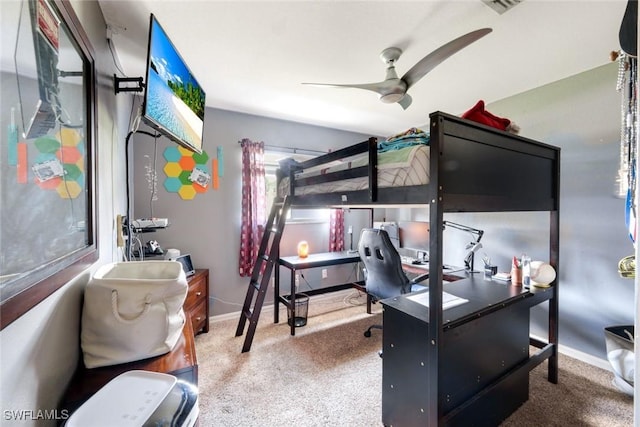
(469, 167)
(478, 169)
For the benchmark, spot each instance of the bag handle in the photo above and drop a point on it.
(116, 313)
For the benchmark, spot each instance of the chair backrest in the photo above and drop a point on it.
(384, 277)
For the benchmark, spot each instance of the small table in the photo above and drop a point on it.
(295, 263)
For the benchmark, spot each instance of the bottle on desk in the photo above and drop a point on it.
(525, 262)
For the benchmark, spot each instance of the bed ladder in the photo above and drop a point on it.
(262, 269)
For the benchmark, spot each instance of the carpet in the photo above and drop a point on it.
(329, 374)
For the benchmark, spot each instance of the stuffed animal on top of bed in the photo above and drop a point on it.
(477, 113)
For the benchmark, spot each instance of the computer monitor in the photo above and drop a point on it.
(392, 230)
(414, 235)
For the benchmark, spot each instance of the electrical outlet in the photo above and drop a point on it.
(297, 280)
(324, 273)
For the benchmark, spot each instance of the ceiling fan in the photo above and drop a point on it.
(394, 89)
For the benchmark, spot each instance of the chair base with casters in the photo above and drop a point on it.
(384, 276)
(367, 333)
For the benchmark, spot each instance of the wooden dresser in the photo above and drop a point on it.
(196, 306)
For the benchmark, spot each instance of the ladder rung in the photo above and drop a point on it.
(247, 313)
(265, 257)
(255, 284)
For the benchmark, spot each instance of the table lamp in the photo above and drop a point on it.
(303, 249)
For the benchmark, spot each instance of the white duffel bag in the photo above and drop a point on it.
(132, 311)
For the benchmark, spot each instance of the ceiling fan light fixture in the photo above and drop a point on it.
(390, 98)
(394, 89)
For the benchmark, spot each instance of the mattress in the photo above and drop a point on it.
(397, 168)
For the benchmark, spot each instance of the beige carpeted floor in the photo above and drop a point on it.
(329, 374)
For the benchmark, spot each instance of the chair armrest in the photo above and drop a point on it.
(419, 278)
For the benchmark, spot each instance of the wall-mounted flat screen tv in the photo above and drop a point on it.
(174, 100)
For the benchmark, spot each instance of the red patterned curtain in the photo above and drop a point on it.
(336, 230)
(254, 204)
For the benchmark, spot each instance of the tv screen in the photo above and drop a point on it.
(174, 100)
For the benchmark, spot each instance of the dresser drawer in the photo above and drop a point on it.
(197, 291)
(199, 316)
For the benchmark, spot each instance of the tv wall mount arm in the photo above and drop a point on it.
(472, 247)
(121, 84)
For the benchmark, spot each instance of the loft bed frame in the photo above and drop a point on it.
(473, 168)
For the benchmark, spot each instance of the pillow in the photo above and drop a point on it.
(478, 114)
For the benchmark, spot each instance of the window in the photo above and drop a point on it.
(271, 164)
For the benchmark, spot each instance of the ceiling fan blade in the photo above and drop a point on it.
(405, 101)
(375, 87)
(433, 59)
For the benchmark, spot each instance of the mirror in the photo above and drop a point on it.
(47, 182)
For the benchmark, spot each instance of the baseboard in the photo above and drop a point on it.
(268, 306)
(581, 356)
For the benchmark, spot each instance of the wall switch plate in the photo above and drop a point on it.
(324, 273)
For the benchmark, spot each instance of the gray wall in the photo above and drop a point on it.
(581, 115)
(207, 227)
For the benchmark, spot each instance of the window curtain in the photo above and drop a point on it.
(336, 230)
(254, 204)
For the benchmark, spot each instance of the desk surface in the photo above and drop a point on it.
(485, 296)
(320, 260)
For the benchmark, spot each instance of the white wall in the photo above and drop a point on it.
(40, 350)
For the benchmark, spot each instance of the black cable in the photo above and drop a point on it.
(128, 191)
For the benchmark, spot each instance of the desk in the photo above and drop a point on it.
(295, 263)
(483, 363)
(449, 273)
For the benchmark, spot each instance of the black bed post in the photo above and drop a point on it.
(554, 259)
(435, 272)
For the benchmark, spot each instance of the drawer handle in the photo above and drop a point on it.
(198, 294)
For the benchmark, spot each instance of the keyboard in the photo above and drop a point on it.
(412, 275)
(410, 260)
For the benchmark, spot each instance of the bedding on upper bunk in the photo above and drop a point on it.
(403, 160)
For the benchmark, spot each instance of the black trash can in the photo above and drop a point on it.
(619, 343)
(301, 310)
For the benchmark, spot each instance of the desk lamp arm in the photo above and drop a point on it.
(472, 247)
